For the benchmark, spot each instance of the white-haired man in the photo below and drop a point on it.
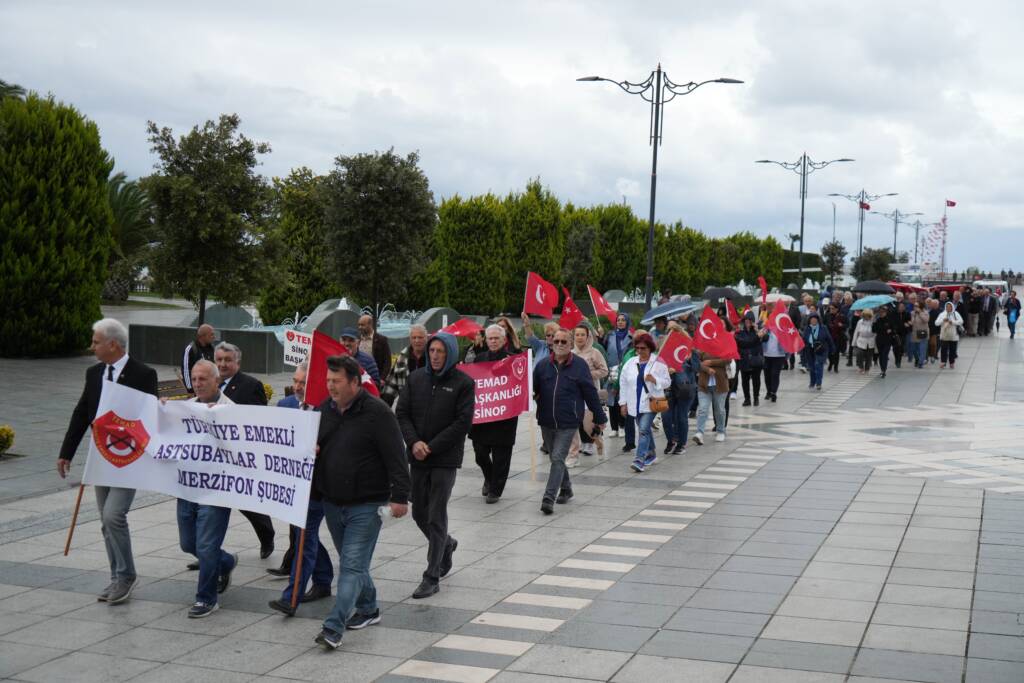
(412, 358)
(110, 347)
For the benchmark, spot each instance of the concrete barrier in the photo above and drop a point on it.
(165, 345)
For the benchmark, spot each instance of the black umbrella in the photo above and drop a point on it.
(712, 293)
(873, 287)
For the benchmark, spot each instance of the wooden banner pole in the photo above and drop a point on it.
(74, 519)
(297, 587)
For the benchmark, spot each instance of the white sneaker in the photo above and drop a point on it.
(614, 434)
(572, 461)
(720, 437)
(699, 438)
(732, 396)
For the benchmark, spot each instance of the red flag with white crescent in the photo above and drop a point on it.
(713, 338)
(733, 316)
(602, 307)
(541, 296)
(316, 379)
(571, 315)
(675, 350)
(781, 325)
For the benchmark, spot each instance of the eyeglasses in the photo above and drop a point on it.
(561, 342)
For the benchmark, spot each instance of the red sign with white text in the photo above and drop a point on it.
(502, 388)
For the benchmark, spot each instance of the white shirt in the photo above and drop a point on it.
(118, 367)
(222, 400)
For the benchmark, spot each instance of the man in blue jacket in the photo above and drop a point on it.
(562, 385)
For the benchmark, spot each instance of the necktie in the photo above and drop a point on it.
(110, 373)
(223, 384)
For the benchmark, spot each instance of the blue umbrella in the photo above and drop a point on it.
(871, 302)
(673, 309)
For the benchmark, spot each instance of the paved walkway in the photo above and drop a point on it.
(870, 532)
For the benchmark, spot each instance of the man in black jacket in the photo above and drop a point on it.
(198, 349)
(248, 391)
(109, 344)
(435, 412)
(360, 467)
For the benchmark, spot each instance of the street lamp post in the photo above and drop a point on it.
(803, 167)
(897, 217)
(862, 198)
(657, 89)
(917, 225)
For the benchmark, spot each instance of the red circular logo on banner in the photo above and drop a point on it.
(289, 335)
(121, 442)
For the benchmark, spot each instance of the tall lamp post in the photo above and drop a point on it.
(917, 225)
(896, 216)
(803, 167)
(657, 89)
(862, 198)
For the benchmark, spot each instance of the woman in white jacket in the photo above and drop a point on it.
(864, 341)
(949, 323)
(643, 377)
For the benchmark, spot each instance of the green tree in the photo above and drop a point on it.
(11, 90)
(210, 208)
(874, 265)
(535, 217)
(581, 265)
(297, 225)
(132, 232)
(833, 258)
(473, 247)
(379, 216)
(55, 224)
(620, 251)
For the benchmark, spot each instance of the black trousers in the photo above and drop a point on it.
(749, 376)
(883, 355)
(772, 370)
(494, 462)
(262, 525)
(431, 490)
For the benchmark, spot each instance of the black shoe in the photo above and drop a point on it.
(280, 572)
(446, 559)
(266, 550)
(225, 578)
(757, 402)
(315, 593)
(564, 498)
(425, 589)
(746, 402)
(485, 490)
(358, 621)
(192, 566)
(547, 508)
(849, 363)
(331, 640)
(668, 447)
(493, 498)
(774, 398)
(627, 449)
(283, 607)
(679, 450)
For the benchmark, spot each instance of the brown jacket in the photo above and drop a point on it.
(718, 366)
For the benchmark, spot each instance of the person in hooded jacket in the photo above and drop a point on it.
(749, 341)
(493, 441)
(435, 413)
(818, 345)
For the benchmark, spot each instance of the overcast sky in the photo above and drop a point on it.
(926, 96)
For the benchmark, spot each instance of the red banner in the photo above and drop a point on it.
(502, 388)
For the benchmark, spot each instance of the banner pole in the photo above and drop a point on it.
(74, 519)
(296, 587)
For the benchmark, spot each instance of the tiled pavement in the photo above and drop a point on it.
(799, 550)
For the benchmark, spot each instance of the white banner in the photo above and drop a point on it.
(297, 346)
(254, 458)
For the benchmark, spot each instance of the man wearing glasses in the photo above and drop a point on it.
(541, 349)
(562, 385)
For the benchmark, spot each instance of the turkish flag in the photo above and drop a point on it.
(713, 338)
(764, 289)
(316, 377)
(602, 307)
(675, 350)
(781, 325)
(865, 206)
(730, 311)
(571, 314)
(462, 328)
(950, 202)
(541, 296)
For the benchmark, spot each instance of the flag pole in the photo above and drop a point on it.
(533, 422)
(74, 519)
(296, 587)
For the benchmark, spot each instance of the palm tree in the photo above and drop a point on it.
(132, 232)
(11, 90)
(794, 237)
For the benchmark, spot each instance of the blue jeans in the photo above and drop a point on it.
(817, 367)
(557, 442)
(113, 503)
(354, 529)
(201, 531)
(315, 560)
(677, 419)
(715, 401)
(645, 446)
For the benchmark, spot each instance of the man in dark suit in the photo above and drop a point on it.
(989, 311)
(376, 345)
(244, 390)
(109, 342)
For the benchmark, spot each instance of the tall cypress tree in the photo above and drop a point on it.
(55, 226)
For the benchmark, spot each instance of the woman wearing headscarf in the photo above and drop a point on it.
(818, 345)
(643, 378)
(583, 346)
(749, 342)
(949, 323)
(617, 342)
